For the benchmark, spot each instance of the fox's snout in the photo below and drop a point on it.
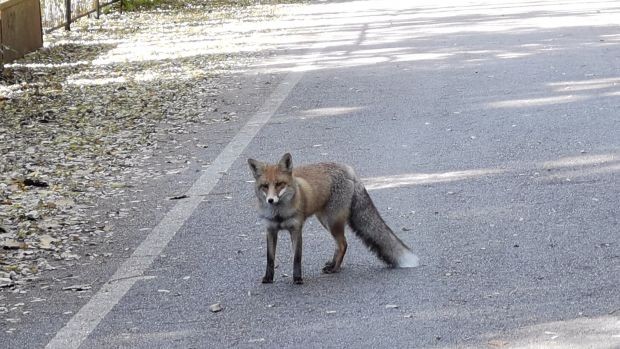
(272, 196)
(272, 199)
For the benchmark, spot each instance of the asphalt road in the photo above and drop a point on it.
(489, 136)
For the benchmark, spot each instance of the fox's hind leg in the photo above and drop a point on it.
(337, 231)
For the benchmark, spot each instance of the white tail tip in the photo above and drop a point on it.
(408, 260)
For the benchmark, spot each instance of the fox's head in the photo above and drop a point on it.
(274, 182)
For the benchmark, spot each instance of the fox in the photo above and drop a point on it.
(333, 193)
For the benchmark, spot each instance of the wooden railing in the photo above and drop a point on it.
(61, 13)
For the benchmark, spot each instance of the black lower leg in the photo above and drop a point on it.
(297, 243)
(272, 239)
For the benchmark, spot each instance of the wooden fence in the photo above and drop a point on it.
(22, 22)
(61, 13)
(20, 29)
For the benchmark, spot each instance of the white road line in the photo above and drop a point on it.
(89, 316)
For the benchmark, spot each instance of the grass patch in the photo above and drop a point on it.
(132, 5)
(136, 5)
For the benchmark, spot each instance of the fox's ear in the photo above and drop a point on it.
(286, 163)
(257, 167)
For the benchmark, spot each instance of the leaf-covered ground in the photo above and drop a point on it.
(79, 117)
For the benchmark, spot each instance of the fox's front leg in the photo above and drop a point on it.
(272, 240)
(296, 240)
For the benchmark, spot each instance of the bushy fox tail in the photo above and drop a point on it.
(368, 225)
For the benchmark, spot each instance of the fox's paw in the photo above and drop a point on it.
(298, 281)
(329, 265)
(267, 280)
(330, 268)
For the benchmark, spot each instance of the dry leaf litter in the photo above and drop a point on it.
(79, 117)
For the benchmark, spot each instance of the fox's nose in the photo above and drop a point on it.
(270, 200)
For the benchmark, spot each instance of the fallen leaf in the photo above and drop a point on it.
(11, 244)
(215, 308)
(77, 288)
(178, 197)
(45, 242)
(6, 282)
(35, 183)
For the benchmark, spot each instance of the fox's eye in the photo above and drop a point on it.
(279, 184)
(264, 186)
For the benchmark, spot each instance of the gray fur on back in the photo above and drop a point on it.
(363, 217)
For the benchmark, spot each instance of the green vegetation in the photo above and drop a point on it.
(134, 5)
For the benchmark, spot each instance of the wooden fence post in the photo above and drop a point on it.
(20, 28)
(67, 14)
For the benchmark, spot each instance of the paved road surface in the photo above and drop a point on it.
(489, 135)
